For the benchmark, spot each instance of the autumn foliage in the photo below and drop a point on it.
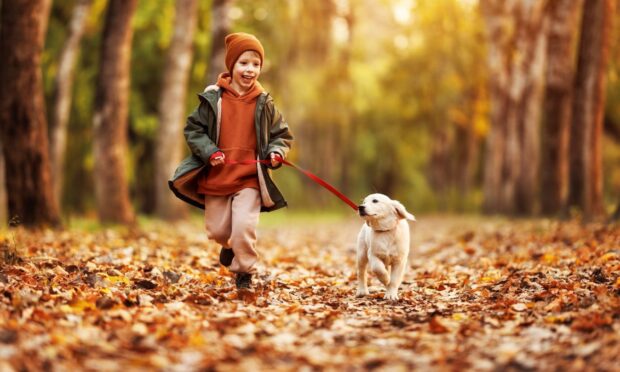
(479, 294)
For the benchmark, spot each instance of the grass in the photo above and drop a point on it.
(89, 223)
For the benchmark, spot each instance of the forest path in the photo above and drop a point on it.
(480, 293)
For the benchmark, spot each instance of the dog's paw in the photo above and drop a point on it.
(361, 292)
(391, 296)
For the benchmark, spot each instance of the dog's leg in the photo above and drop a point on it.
(362, 262)
(378, 268)
(398, 271)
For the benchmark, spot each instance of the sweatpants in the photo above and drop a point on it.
(231, 221)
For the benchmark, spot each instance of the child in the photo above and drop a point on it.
(236, 120)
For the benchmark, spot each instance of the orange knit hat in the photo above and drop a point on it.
(238, 43)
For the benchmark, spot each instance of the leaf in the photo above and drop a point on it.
(172, 276)
(591, 321)
(117, 279)
(8, 336)
(105, 302)
(435, 326)
(145, 284)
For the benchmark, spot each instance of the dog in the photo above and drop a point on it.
(383, 243)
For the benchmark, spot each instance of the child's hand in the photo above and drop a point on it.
(217, 159)
(276, 159)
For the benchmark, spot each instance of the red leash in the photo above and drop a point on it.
(309, 174)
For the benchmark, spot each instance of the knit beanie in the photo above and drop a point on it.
(238, 43)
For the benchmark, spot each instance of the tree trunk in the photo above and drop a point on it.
(466, 159)
(559, 78)
(586, 162)
(220, 27)
(3, 202)
(616, 215)
(439, 165)
(110, 117)
(495, 16)
(23, 124)
(510, 180)
(63, 84)
(534, 38)
(169, 146)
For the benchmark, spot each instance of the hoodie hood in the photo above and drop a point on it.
(224, 80)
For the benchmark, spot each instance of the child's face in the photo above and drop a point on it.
(246, 70)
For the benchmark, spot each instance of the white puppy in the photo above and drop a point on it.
(383, 242)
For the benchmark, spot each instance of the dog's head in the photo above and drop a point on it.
(381, 211)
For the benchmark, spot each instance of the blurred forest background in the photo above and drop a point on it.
(502, 107)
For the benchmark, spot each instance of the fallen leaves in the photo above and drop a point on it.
(481, 295)
(435, 326)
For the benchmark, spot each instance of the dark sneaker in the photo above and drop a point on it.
(243, 280)
(226, 256)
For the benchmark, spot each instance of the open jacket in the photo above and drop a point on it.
(202, 131)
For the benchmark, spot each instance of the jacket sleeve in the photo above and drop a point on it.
(280, 136)
(196, 134)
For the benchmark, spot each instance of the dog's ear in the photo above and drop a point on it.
(401, 212)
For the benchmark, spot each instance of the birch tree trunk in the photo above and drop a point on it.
(23, 124)
(220, 22)
(110, 117)
(586, 163)
(169, 148)
(559, 78)
(63, 85)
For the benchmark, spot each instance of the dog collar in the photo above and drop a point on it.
(386, 230)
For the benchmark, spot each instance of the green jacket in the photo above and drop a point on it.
(202, 131)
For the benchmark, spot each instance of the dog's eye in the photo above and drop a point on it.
(375, 201)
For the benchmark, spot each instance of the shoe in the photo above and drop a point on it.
(243, 280)
(226, 256)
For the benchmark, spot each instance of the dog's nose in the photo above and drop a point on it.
(361, 209)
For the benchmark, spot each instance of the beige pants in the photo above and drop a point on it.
(231, 221)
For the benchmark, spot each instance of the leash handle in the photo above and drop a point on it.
(308, 174)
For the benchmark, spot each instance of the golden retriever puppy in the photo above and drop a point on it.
(383, 243)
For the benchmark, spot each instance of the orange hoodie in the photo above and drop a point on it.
(237, 141)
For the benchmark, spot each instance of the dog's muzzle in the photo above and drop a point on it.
(362, 210)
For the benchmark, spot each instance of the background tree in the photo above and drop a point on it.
(169, 146)
(110, 117)
(3, 201)
(62, 95)
(220, 27)
(586, 178)
(397, 91)
(512, 159)
(23, 124)
(559, 78)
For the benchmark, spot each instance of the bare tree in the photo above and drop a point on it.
(586, 161)
(63, 84)
(22, 113)
(110, 118)
(220, 27)
(559, 78)
(169, 147)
